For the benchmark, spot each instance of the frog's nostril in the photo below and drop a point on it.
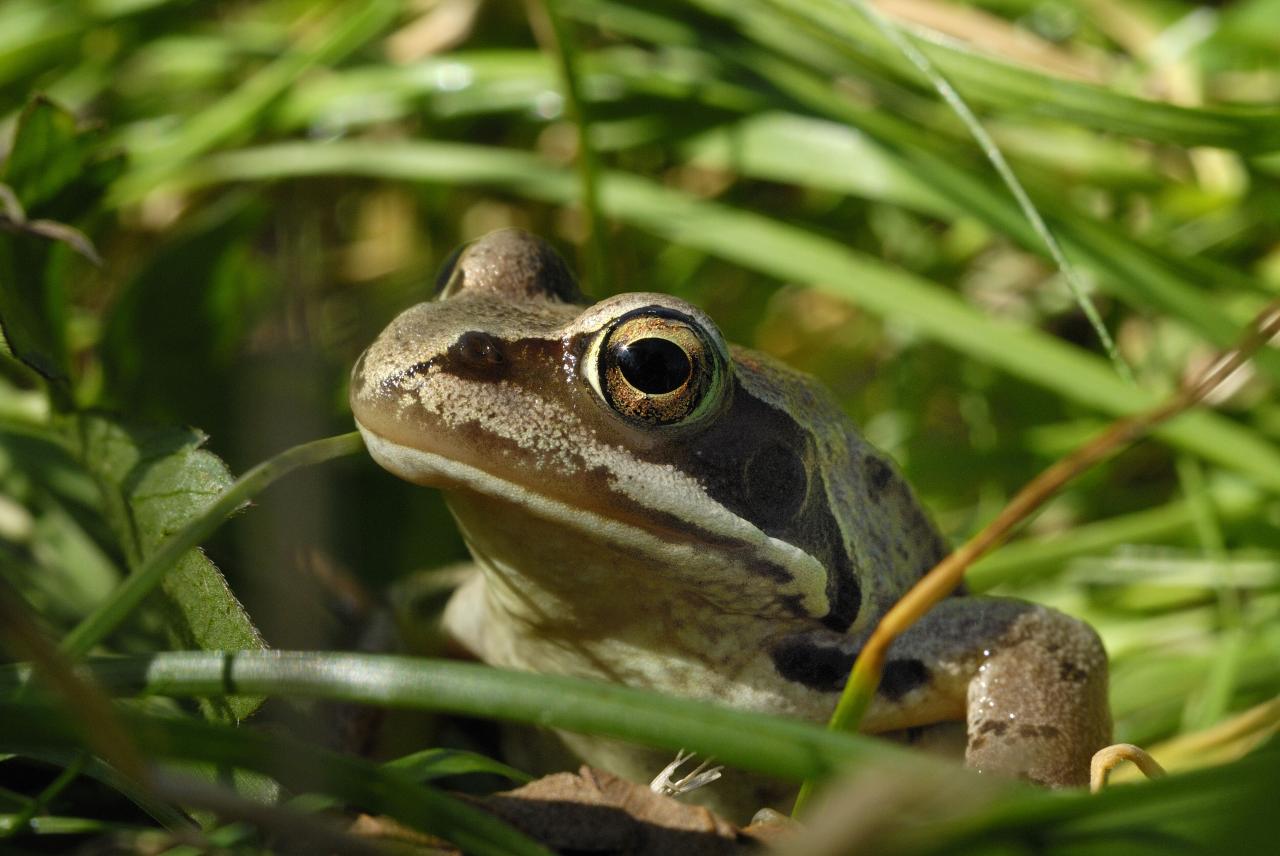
(478, 349)
(476, 355)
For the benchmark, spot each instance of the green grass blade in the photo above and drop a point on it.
(1025, 560)
(568, 58)
(378, 789)
(780, 250)
(1006, 86)
(943, 87)
(787, 748)
(234, 114)
(1124, 268)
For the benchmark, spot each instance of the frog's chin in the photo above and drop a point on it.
(795, 575)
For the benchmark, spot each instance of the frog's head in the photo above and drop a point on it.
(623, 439)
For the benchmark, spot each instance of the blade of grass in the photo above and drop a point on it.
(814, 152)
(1007, 86)
(567, 57)
(943, 579)
(162, 812)
(1029, 559)
(349, 26)
(1213, 700)
(376, 788)
(989, 148)
(1127, 269)
(779, 746)
(776, 249)
(21, 821)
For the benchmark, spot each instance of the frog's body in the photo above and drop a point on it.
(650, 506)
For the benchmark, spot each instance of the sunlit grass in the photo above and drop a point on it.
(296, 170)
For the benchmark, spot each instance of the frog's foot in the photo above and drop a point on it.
(1037, 699)
(703, 774)
(1029, 683)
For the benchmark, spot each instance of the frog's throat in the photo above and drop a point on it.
(802, 581)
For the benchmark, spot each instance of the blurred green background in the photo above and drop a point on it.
(296, 172)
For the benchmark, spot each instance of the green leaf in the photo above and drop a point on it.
(153, 481)
(54, 170)
(159, 562)
(33, 307)
(47, 153)
(437, 763)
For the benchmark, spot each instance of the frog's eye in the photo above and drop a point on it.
(657, 367)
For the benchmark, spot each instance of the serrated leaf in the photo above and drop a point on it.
(153, 481)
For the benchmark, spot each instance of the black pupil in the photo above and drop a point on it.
(654, 366)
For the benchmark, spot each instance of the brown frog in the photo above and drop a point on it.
(649, 505)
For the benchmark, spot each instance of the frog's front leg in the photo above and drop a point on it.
(1032, 683)
(1029, 682)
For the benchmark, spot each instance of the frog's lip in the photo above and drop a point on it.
(783, 562)
(443, 470)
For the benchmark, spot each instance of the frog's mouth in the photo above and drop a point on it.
(799, 579)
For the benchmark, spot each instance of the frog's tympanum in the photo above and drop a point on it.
(650, 505)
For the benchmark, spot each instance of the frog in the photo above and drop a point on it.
(649, 505)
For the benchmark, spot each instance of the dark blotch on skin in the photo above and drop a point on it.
(993, 726)
(879, 473)
(1069, 671)
(1031, 731)
(901, 677)
(417, 368)
(776, 484)
(721, 455)
(818, 667)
